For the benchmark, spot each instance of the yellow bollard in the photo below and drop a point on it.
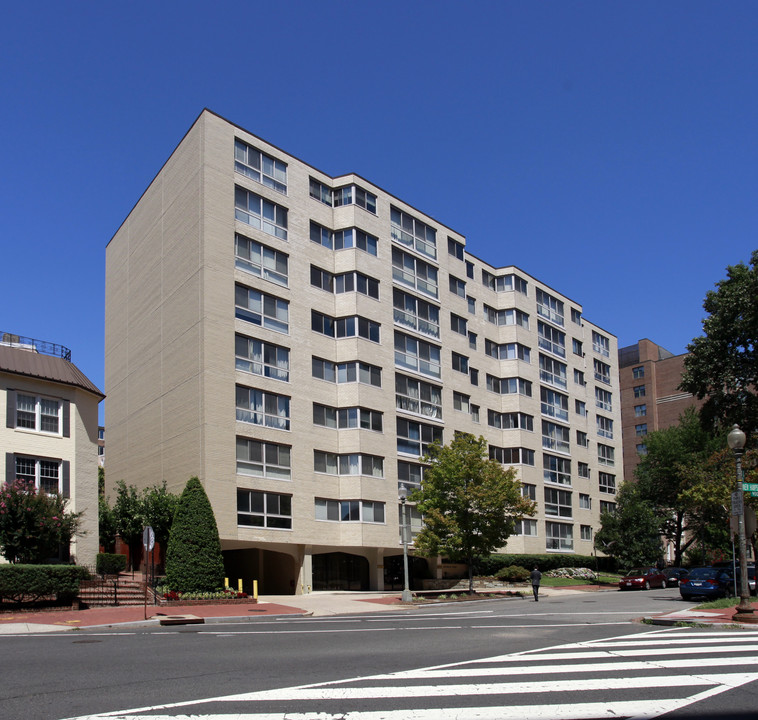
(226, 583)
(239, 584)
(255, 589)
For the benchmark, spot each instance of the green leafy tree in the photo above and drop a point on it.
(469, 502)
(193, 559)
(129, 519)
(631, 534)
(33, 524)
(665, 471)
(158, 508)
(722, 364)
(106, 520)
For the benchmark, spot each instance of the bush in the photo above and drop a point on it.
(34, 582)
(512, 573)
(491, 564)
(193, 558)
(572, 572)
(110, 564)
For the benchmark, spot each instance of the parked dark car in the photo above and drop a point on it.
(674, 575)
(707, 582)
(642, 579)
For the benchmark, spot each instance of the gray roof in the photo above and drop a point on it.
(45, 367)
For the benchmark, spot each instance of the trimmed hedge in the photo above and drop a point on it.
(110, 564)
(512, 573)
(32, 583)
(489, 566)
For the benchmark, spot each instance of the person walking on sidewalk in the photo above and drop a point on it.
(535, 576)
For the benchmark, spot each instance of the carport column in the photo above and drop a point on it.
(379, 570)
(305, 584)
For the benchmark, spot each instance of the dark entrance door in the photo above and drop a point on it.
(340, 571)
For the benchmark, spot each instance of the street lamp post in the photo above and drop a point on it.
(736, 440)
(402, 494)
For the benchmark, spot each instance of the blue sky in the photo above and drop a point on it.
(609, 149)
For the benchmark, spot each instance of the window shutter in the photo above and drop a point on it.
(10, 467)
(10, 410)
(66, 418)
(66, 479)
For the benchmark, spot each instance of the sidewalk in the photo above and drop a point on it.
(721, 616)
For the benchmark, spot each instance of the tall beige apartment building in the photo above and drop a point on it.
(296, 341)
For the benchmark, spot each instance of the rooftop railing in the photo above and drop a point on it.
(40, 346)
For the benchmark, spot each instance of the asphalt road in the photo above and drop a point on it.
(83, 673)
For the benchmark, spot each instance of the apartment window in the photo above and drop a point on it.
(346, 372)
(355, 238)
(461, 402)
(529, 491)
(260, 167)
(460, 363)
(260, 213)
(551, 339)
(510, 316)
(352, 281)
(263, 459)
(579, 378)
(366, 511)
(509, 386)
(321, 192)
(512, 455)
(354, 195)
(455, 248)
(347, 418)
(504, 283)
(510, 420)
(555, 437)
(264, 509)
(556, 469)
(348, 464)
(414, 438)
(415, 313)
(345, 327)
(585, 532)
(549, 307)
(474, 376)
(414, 272)
(557, 502)
(607, 507)
(607, 483)
(417, 355)
(640, 430)
(552, 371)
(638, 372)
(507, 351)
(559, 536)
(603, 399)
(602, 372)
(641, 449)
(472, 340)
(581, 439)
(469, 269)
(474, 412)
(417, 396)
(604, 427)
(585, 502)
(525, 527)
(322, 236)
(576, 316)
(261, 358)
(554, 404)
(576, 347)
(44, 473)
(639, 391)
(457, 286)
(409, 474)
(413, 233)
(258, 308)
(640, 410)
(606, 455)
(260, 260)
(263, 408)
(583, 470)
(458, 325)
(580, 408)
(601, 344)
(471, 305)
(37, 413)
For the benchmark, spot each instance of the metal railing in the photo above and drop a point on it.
(41, 346)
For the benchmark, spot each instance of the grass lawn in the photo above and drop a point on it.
(720, 603)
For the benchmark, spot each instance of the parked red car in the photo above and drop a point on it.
(642, 579)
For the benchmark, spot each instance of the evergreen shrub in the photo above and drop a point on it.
(110, 563)
(32, 583)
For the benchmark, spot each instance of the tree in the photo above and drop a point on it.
(723, 363)
(158, 508)
(129, 520)
(664, 471)
(631, 534)
(469, 502)
(33, 525)
(106, 519)
(193, 558)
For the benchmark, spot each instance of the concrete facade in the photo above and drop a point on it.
(398, 301)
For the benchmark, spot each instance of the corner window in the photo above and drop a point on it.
(260, 167)
(263, 509)
(260, 213)
(413, 233)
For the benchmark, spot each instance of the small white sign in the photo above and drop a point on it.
(148, 538)
(737, 503)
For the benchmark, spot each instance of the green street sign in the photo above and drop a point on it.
(752, 487)
(754, 493)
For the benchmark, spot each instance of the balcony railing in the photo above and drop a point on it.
(40, 346)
